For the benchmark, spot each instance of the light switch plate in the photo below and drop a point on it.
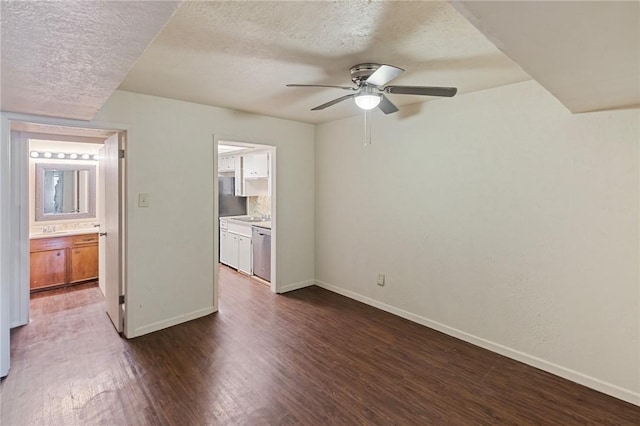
(381, 280)
(143, 200)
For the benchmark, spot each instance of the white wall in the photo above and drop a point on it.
(170, 244)
(498, 217)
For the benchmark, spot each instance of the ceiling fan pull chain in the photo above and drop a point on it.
(367, 128)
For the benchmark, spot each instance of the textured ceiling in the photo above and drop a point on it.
(66, 58)
(587, 54)
(240, 55)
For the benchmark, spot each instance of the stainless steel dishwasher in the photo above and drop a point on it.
(261, 241)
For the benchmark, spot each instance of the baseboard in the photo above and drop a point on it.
(150, 328)
(574, 376)
(18, 324)
(296, 286)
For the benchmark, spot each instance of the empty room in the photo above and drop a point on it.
(350, 212)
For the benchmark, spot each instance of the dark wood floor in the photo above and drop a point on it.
(308, 357)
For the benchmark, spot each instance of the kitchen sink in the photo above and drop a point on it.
(250, 219)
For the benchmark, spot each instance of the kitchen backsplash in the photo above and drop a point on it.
(259, 205)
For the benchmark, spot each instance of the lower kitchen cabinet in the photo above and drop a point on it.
(229, 249)
(244, 255)
(58, 261)
(235, 246)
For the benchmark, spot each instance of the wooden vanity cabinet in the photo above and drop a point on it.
(63, 260)
(48, 268)
(83, 259)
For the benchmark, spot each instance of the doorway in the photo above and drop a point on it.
(245, 214)
(75, 238)
(65, 201)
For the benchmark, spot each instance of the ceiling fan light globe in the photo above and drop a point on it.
(367, 102)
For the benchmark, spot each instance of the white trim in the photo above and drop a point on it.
(295, 286)
(6, 256)
(20, 218)
(588, 381)
(160, 325)
(16, 323)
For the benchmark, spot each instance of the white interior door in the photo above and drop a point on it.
(110, 229)
(101, 213)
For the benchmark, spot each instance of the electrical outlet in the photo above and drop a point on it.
(381, 280)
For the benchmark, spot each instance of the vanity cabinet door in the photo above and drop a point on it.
(83, 263)
(48, 268)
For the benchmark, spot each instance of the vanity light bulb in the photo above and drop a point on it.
(95, 157)
(61, 155)
(85, 156)
(35, 154)
(47, 155)
(73, 156)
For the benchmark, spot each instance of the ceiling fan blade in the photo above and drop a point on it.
(321, 85)
(386, 105)
(333, 102)
(421, 90)
(383, 75)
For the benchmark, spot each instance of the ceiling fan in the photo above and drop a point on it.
(369, 93)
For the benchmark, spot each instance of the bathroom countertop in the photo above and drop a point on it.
(63, 233)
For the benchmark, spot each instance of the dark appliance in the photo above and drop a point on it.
(228, 203)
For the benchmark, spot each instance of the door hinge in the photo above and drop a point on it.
(121, 153)
(121, 299)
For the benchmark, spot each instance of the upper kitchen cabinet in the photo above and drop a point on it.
(256, 174)
(256, 166)
(228, 163)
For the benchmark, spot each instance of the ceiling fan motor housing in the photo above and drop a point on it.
(361, 72)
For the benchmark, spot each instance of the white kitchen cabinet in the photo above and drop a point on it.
(245, 263)
(224, 247)
(256, 166)
(256, 178)
(227, 163)
(235, 245)
(229, 248)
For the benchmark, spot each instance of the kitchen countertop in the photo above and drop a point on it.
(265, 224)
(63, 233)
(262, 223)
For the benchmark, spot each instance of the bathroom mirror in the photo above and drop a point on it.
(65, 191)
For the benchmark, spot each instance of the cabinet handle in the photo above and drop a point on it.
(103, 234)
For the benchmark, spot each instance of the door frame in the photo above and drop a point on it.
(14, 240)
(216, 219)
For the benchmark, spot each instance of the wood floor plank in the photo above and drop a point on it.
(308, 357)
